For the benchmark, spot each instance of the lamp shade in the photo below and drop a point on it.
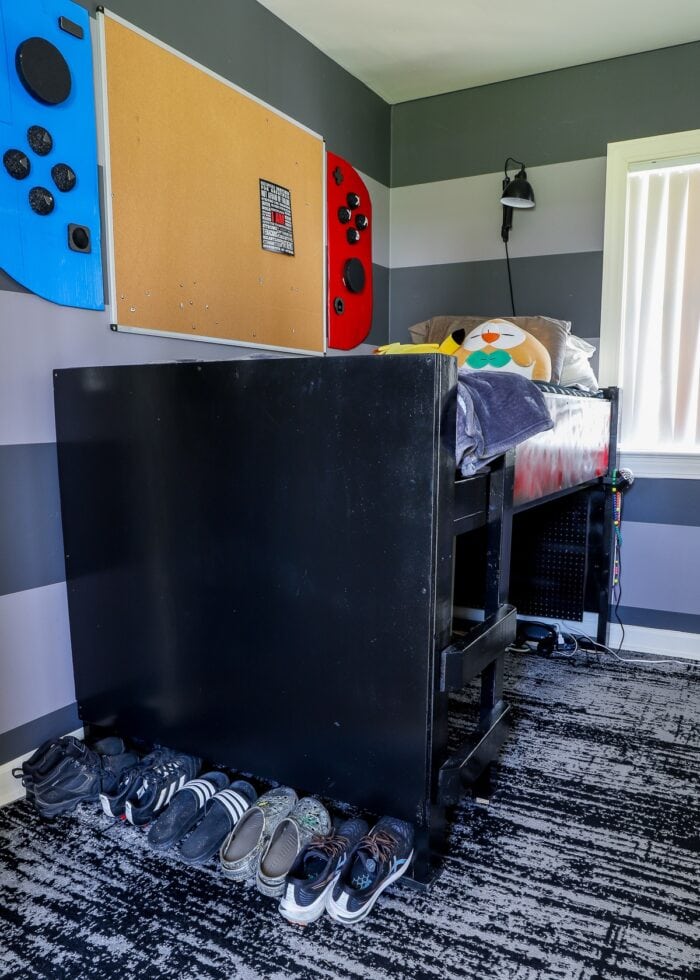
(518, 193)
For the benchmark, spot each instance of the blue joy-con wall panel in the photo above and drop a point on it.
(50, 238)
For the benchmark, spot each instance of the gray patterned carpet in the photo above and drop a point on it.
(585, 866)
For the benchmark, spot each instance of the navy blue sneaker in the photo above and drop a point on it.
(156, 785)
(315, 872)
(377, 861)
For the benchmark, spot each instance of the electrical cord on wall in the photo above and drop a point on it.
(510, 279)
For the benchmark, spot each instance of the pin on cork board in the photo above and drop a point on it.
(215, 203)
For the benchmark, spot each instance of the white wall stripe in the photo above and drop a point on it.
(36, 669)
(459, 220)
(381, 220)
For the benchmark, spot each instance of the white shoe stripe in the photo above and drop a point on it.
(161, 799)
(231, 807)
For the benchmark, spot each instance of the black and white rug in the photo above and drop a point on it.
(585, 866)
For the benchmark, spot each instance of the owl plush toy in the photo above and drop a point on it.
(495, 345)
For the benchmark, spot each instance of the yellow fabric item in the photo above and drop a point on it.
(448, 346)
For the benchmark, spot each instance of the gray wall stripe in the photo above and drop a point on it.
(657, 501)
(565, 286)
(659, 619)
(570, 114)
(28, 737)
(9, 285)
(244, 42)
(31, 540)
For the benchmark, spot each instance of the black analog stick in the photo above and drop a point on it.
(354, 275)
(41, 201)
(40, 140)
(17, 164)
(43, 71)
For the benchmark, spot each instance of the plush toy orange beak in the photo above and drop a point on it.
(489, 336)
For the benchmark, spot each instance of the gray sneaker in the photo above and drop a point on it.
(240, 852)
(308, 819)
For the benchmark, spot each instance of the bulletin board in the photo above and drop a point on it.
(215, 203)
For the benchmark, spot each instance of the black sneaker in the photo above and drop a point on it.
(38, 766)
(377, 860)
(156, 786)
(115, 792)
(316, 870)
(75, 779)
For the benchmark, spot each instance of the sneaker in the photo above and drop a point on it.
(80, 774)
(376, 861)
(156, 786)
(223, 811)
(241, 851)
(114, 793)
(185, 809)
(309, 818)
(74, 779)
(313, 875)
(40, 764)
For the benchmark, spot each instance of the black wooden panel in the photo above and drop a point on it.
(250, 555)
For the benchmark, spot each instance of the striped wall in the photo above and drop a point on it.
(241, 41)
(447, 257)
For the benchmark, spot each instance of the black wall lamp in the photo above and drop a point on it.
(517, 192)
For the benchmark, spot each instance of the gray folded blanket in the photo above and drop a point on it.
(495, 411)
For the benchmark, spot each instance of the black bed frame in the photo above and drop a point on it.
(260, 564)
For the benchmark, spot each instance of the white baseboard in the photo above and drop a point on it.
(667, 643)
(11, 789)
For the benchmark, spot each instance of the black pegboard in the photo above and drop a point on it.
(548, 567)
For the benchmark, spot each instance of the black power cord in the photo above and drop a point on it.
(510, 280)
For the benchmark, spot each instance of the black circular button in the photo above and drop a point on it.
(339, 305)
(353, 201)
(17, 164)
(79, 238)
(361, 221)
(344, 215)
(40, 140)
(354, 275)
(63, 176)
(43, 71)
(41, 201)
(353, 236)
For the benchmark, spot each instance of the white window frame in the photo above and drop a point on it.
(621, 158)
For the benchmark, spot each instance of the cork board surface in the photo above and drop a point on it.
(187, 155)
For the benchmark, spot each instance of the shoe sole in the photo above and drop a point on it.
(362, 913)
(49, 811)
(303, 915)
(270, 887)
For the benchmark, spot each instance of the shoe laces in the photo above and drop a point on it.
(332, 844)
(379, 844)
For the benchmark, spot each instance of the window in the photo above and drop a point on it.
(650, 327)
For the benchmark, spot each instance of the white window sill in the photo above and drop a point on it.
(670, 466)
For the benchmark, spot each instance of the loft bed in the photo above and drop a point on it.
(261, 570)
